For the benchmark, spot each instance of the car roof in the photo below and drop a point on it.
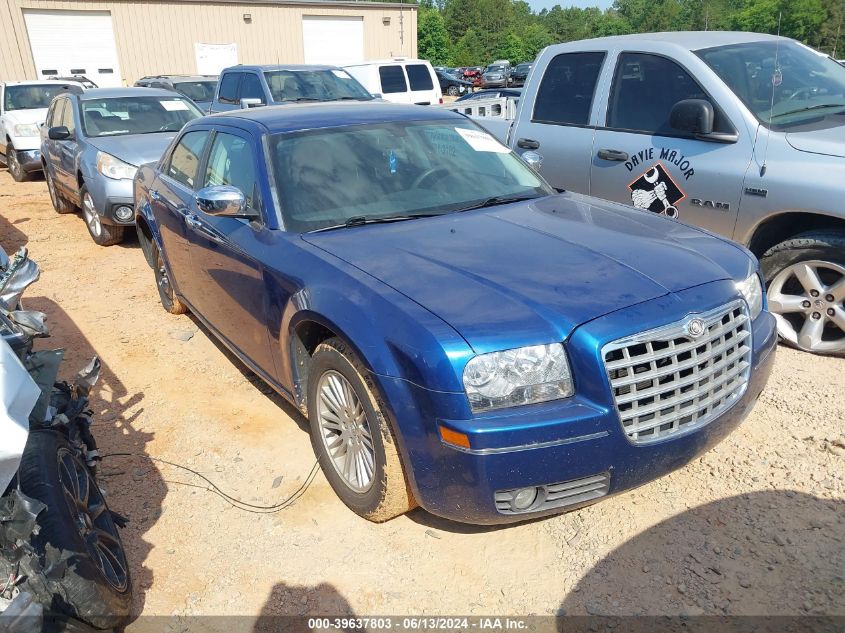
(271, 67)
(40, 82)
(688, 40)
(112, 93)
(178, 78)
(307, 116)
(392, 60)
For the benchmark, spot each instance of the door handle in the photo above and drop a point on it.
(155, 195)
(613, 154)
(193, 221)
(527, 143)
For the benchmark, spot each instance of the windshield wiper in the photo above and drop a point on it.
(298, 99)
(808, 108)
(497, 200)
(361, 220)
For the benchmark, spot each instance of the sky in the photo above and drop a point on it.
(537, 5)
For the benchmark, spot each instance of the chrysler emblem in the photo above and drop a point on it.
(695, 327)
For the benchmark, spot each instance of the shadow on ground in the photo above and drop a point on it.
(763, 553)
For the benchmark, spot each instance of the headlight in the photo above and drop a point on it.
(752, 292)
(518, 376)
(26, 129)
(114, 168)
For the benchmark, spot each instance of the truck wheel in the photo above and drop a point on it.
(452, 91)
(60, 203)
(95, 587)
(169, 300)
(102, 234)
(352, 436)
(14, 166)
(805, 277)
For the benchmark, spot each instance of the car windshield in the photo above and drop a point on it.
(495, 69)
(324, 178)
(783, 83)
(523, 68)
(136, 115)
(33, 96)
(197, 90)
(314, 85)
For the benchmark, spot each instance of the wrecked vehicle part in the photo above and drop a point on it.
(22, 614)
(19, 273)
(31, 322)
(18, 395)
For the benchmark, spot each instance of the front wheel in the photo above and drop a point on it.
(452, 91)
(14, 165)
(352, 436)
(805, 276)
(102, 234)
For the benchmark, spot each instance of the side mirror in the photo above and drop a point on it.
(58, 133)
(251, 103)
(692, 115)
(377, 95)
(223, 201)
(534, 160)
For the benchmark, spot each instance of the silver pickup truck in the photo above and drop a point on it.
(738, 133)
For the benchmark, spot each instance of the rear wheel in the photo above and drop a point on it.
(452, 91)
(352, 436)
(102, 234)
(14, 165)
(169, 300)
(60, 203)
(805, 277)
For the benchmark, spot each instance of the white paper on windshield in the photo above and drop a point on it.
(174, 106)
(481, 141)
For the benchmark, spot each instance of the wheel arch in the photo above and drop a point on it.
(787, 224)
(145, 238)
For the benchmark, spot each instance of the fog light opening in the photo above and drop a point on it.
(524, 498)
(123, 213)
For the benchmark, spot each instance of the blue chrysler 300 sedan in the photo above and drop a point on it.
(491, 353)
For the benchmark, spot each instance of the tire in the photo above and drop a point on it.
(15, 170)
(452, 91)
(60, 203)
(805, 280)
(169, 301)
(388, 494)
(85, 591)
(102, 234)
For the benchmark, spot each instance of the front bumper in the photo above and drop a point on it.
(562, 441)
(108, 195)
(30, 160)
(494, 83)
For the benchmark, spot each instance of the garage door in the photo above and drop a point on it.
(333, 40)
(74, 43)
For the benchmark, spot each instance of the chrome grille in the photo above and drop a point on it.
(559, 495)
(666, 382)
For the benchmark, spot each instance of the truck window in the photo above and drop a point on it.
(229, 88)
(419, 77)
(392, 79)
(251, 87)
(645, 87)
(566, 93)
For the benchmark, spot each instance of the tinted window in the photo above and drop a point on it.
(31, 96)
(229, 88)
(314, 85)
(231, 162)
(54, 116)
(196, 90)
(645, 87)
(67, 116)
(186, 158)
(566, 92)
(392, 79)
(251, 87)
(419, 77)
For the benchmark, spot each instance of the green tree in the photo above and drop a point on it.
(512, 48)
(432, 38)
(468, 50)
(536, 37)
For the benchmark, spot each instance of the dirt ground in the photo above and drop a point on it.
(756, 526)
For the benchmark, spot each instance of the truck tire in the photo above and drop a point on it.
(805, 280)
(95, 586)
(452, 91)
(17, 172)
(166, 293)
(352, 435)
(102, 234)
(60, 203)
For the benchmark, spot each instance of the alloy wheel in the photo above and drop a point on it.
(92, 520)
(808, 301)
(12, 163)
(345, 431)
(92, 218)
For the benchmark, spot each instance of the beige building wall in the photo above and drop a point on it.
(158, 37)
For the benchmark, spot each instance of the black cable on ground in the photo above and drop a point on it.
(233, 501)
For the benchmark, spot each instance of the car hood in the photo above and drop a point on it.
(529, 273)
(135, 149)
(34, 115)
(829, 141)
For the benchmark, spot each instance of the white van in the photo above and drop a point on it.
(400, 80)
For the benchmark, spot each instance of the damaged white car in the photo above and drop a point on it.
(60, 552)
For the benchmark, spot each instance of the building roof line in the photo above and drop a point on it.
(370, 4)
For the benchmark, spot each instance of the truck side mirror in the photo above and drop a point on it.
(250, 103)
(692, 115)
(58, 133)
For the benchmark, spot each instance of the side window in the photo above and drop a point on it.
(251, 87)
(67, 116)
(392, 79)
(54, 116)
(645, 87)
(229, 88)
(419, 77)
(565, 96)
(185, 158)
(231, 162)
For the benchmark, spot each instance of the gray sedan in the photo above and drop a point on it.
(93, 143)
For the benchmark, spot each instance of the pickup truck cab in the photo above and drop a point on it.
(243, 87)
(738, 133)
